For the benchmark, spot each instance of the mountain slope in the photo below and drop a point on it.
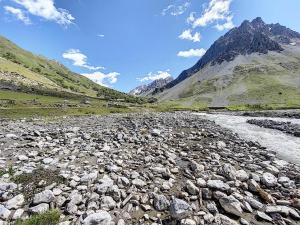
(145, 90)
(23, 71)
(255, 63)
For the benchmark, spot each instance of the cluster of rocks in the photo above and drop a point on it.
(287, 127)
(164, 168)
(295, 113)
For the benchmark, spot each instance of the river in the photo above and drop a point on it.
(286, 146)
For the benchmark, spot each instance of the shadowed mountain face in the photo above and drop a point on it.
(148, 89)
(253, 64)
(250, 37)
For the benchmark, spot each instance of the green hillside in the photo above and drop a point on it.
(31, 73)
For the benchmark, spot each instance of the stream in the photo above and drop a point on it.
(286, 146)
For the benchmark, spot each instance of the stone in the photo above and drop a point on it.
(269, 180)
(4, 213)
(231, 205)
(188, 222)
(221, 219)
(218, 184)
(191, 188)
(179, 209)
(138, 183)
(228, 171)
(89, 178)
(38, 209)
(263, 216)
(46, 196)
(99, 218)
(242, 175)
(18, 214)
(107, 202)
(254, 203)
(16, 202)
(253, 185)
(160, 202)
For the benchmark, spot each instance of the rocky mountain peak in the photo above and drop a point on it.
(250, 37)
(146, 89)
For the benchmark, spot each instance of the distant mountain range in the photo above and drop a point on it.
(255, 63)
(145, 90)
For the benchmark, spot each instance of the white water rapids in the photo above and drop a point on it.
(286, 146)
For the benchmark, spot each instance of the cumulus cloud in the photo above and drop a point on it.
(18, 13)
(192, 53)
(103, 79)
(47, 10)
(155, 76)
(187, 35)
(79, 59)
(216, 12)
(225, 26)
(176, 10)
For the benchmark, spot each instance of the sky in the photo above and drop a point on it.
(123, 44)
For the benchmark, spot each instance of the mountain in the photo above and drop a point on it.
(255, 63)
(23, 71)
(145, 90)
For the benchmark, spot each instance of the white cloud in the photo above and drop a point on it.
(18, 13)
(176, 10)
(192, 53)
(47, 10)
(102, 78)
(155, 76)
(225, 26)
(217, 10)
(79, 59)
(191, 18)
(100, 35)
(187, 35)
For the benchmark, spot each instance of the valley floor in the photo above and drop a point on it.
(149, 168)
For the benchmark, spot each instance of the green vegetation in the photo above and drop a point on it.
(48, 218)
(30, 181)
(33, 105)
(36, 74)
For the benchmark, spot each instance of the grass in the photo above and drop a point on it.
(48, 218)
(52, 73)
(30, 181)
(33, 105)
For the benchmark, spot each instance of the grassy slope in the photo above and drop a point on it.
(262, 81)
(51, 74)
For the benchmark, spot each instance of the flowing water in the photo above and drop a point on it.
(286, 146)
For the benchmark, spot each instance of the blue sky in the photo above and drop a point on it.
(123, 44)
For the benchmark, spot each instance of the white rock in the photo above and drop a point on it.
(41, 208)
(46, 196)
(99, 218)
(4, 213)
(16, 202)
(269, 180)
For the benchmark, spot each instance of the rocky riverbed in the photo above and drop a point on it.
(287, 127)
(168, 168)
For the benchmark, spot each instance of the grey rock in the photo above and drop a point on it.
(218, 184)
(269, 180)
(4, 213)
(179, 209)
(38, 209)
(46, 196)
(231, 205)
(160, 202)
(263, 216)
(16, 202)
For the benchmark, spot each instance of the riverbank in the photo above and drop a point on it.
(158, 168)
